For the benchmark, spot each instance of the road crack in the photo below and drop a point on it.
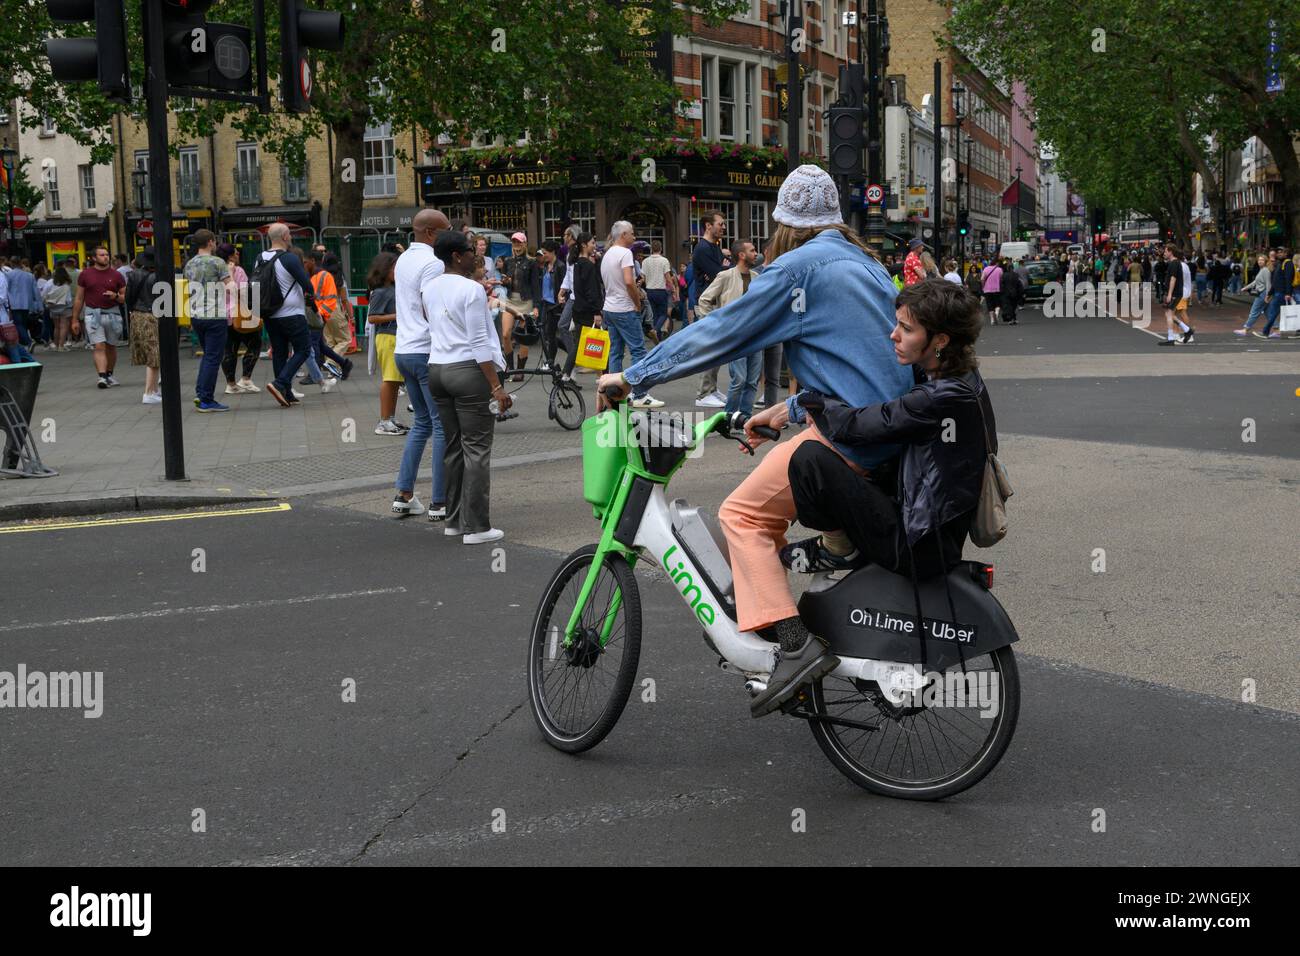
(419, 797)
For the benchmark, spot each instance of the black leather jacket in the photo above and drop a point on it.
(940, 480)
(525, 277)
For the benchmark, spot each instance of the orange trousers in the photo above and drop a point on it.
(755, 518)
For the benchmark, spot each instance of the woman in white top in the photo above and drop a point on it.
(950, 271)
(465, 363)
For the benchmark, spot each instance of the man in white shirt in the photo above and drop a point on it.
(465, 366)
(287, 325)
(658, 272)
(622, 311)
(413, 277)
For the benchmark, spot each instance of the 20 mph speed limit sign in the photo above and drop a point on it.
(875, 194)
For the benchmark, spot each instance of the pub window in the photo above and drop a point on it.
(552, 219)
(750, 72)
(730, 213)
(583, 212)
(727, 100)
(706, 67)
(380, 162)
(758, 224)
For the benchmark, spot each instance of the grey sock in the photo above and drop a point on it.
(790, 633)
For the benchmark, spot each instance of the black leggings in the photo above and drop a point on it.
(553, 337)
(831, 496)
(252, 341)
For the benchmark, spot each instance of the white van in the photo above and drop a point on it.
(1015, 251)
(1074, 249)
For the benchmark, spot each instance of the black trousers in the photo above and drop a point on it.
(252, 342)
(581, 319)
(831, 496)
(553, 337)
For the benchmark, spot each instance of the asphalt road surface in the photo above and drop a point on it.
(224, 688)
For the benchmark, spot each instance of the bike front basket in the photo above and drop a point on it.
(604, 456)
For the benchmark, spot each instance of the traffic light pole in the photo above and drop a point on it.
(160, 197)
(875, 170)
(936, 208)
(794, 84)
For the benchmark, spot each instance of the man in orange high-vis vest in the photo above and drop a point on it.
(326, 292)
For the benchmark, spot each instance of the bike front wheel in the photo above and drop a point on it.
(942, 747)
(568, 407)
(578, 691)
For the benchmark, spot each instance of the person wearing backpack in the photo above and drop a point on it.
(283, 294)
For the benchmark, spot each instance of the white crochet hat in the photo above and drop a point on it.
(808, 198)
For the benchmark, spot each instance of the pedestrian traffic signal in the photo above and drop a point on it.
(847, 141)
(301, 30)
(202, 55)
(101, 57)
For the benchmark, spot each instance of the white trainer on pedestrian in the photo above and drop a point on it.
(246, 385)
(648, 401)
(411, 507)
(389, 427)
(233, 389)
(152, 398)
(712, 400)
(452, 531)
(329, 384)
(485, 537)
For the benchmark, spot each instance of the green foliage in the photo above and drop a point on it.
(496, 68)
(1134, 94)
(25, 194)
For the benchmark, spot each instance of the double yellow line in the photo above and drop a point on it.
(146, 519)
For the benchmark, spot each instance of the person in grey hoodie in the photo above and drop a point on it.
(1260, 286)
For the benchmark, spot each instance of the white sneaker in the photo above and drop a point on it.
(403, 508)
(112, 381)
(152, 398)
(233, 389)
(297, 394)
(719, 397)
(648, 401)
(389, 427)
(452, 531)
(246, 385)
(484, 537)
(711, 401)
(329, 384)
(438, 514)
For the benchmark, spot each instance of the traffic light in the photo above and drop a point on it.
(302, 29)
(847, 141)
(101, 57)
(963, 224)
(202, 55)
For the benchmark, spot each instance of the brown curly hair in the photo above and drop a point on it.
(943, 306)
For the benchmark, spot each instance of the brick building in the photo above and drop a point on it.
(986, 139)
(731, 157)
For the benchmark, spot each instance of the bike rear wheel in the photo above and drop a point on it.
(917, 753)
(578, 693)
(568, 407)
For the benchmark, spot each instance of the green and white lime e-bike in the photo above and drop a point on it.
(901, 715)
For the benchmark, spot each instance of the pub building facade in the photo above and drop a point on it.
(542, 200)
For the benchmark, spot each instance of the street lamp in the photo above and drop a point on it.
(465, 183)
(959, 114)
(9, 159)
(1016, 208)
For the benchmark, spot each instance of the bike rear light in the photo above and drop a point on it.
(987, 574)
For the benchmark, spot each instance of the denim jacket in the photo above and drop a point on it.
(832, 306)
